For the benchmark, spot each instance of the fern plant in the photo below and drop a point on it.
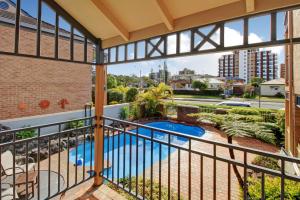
(242, 129)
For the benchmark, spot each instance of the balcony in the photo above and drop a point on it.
(99, 157)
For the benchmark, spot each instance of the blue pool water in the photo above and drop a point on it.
(114, 148)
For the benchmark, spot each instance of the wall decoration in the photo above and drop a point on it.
(44, 104)
(63, 102)
(22, 106)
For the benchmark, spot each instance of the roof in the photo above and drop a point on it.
(122, 21)
(280, 81)
(211, 80)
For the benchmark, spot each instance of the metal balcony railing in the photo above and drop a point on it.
(142, 161)
(152, 163)
(43, 161)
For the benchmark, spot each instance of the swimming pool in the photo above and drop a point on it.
(114, 148)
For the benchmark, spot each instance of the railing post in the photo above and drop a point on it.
(99, 136)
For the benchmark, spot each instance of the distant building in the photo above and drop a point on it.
(228, 66)
(186, 71)
(248, 64)
(189, 75)
(282, 70)
(212, 84)
(162, 76)
(273, 87)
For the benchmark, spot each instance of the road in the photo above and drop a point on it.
(254, 103)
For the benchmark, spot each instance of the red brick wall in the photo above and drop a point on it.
(183, 111)
(30, 80)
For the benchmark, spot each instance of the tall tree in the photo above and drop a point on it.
(255, 82)
(200, 85)
(111, 81)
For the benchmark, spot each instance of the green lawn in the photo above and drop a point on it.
(196, 96)
(273, 99)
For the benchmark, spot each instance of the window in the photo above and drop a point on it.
(298, 101)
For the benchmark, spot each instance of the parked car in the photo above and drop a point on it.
(234, 103)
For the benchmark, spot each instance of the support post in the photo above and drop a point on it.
(99, 134)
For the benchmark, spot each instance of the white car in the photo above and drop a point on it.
(234, 103)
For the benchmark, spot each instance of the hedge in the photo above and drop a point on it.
(114, 96)
(202, 92)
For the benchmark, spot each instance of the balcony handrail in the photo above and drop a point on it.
(45, 125)
(44, 136)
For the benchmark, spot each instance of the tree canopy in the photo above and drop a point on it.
(200, 85)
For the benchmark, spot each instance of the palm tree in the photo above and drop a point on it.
(154, 96)
(241, 129)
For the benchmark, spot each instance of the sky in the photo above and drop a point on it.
(259, 30)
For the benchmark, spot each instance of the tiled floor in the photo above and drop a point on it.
(86, 191)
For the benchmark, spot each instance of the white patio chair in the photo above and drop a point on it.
(7, 164)
(8, 194)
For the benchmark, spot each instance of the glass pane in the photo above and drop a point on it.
(233, 33)
(172, 43)
(185, 41)
(141, 49)
(48, 31)
(64, 39)
(28, 25)
(78, 40)
(130, 51)
(259, 29)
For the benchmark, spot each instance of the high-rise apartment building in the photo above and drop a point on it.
(248, 64)
(162, 76)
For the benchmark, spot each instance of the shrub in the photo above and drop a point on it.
(280, 120)
(266, 162)
(279, 95)
(244, 111)
(74, 124)
(115, 96)
(244, 118)
(124, 113)
(248, 95)
(155, 191)
(272, 188)
(24, 134)
(134, 111)
(131, 94)
(202, 92)
(113, 102)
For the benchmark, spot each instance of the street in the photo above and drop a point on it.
(254, 103)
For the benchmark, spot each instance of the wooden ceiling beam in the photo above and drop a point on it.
(100, 4)
(237, 9)
(165, 14)
(250, 6)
